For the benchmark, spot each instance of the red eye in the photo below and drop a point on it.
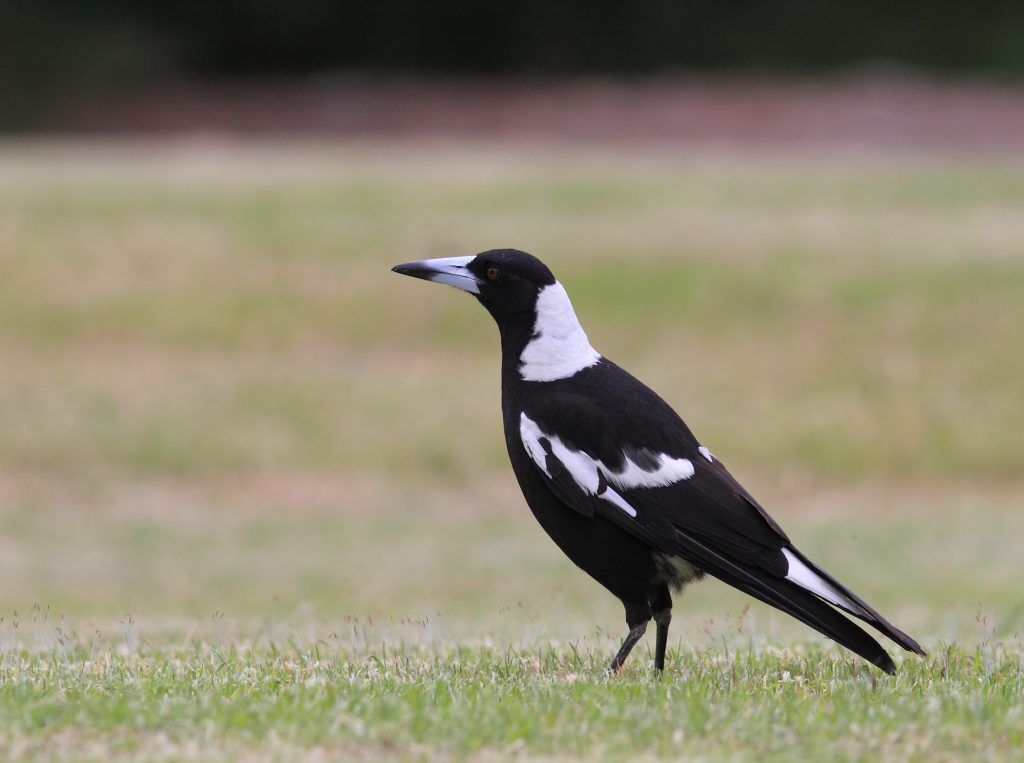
(493, 274)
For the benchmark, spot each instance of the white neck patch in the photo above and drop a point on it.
(560, 347)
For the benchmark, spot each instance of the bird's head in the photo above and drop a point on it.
(541, 339)
(505, 281)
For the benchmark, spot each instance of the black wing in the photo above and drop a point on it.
(648, 475)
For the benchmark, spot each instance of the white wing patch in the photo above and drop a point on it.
(668, 471)
(587, 471)
(706, 453)
(559, 348)
(809, 580)
(582, 468)
(530, 434)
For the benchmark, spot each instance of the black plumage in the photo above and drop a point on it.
(619, 482)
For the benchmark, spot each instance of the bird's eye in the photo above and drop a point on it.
(493, 274)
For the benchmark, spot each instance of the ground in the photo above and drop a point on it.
(254, 501)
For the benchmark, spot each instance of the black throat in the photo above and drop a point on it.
(516, 332)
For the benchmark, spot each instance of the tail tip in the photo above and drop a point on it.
(911, 646)
(884, 662)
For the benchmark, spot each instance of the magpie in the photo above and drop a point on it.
(620, 483)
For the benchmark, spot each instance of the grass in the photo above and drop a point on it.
(242, 515)
(206, 702)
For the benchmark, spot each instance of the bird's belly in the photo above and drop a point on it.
(615, 559)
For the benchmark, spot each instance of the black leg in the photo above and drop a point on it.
(661, 605)
(634, 635)
(662, 619)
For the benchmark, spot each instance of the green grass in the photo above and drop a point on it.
(235, 470)
(751, 704)
(438, 629)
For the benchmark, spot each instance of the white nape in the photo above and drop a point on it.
(559, 348)
(706, 453)
(809, 580)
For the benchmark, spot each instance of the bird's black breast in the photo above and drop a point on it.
(621, 563)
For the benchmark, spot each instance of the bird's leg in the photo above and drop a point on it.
(636, 632)
(662, 619)
(638, 614)
(661, 605)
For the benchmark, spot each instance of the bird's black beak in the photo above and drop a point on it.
(448, 270)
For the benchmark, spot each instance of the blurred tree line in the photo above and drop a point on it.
(58, 49)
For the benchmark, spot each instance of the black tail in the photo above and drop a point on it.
(859, 608)
(794, 600)
(812, 611)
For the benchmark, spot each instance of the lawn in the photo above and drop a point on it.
(242, 515)
(209, 703)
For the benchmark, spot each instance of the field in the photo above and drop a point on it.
(254, 500)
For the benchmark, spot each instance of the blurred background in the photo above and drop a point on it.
(220, 413)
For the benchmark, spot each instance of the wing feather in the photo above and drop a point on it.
(702, 514)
